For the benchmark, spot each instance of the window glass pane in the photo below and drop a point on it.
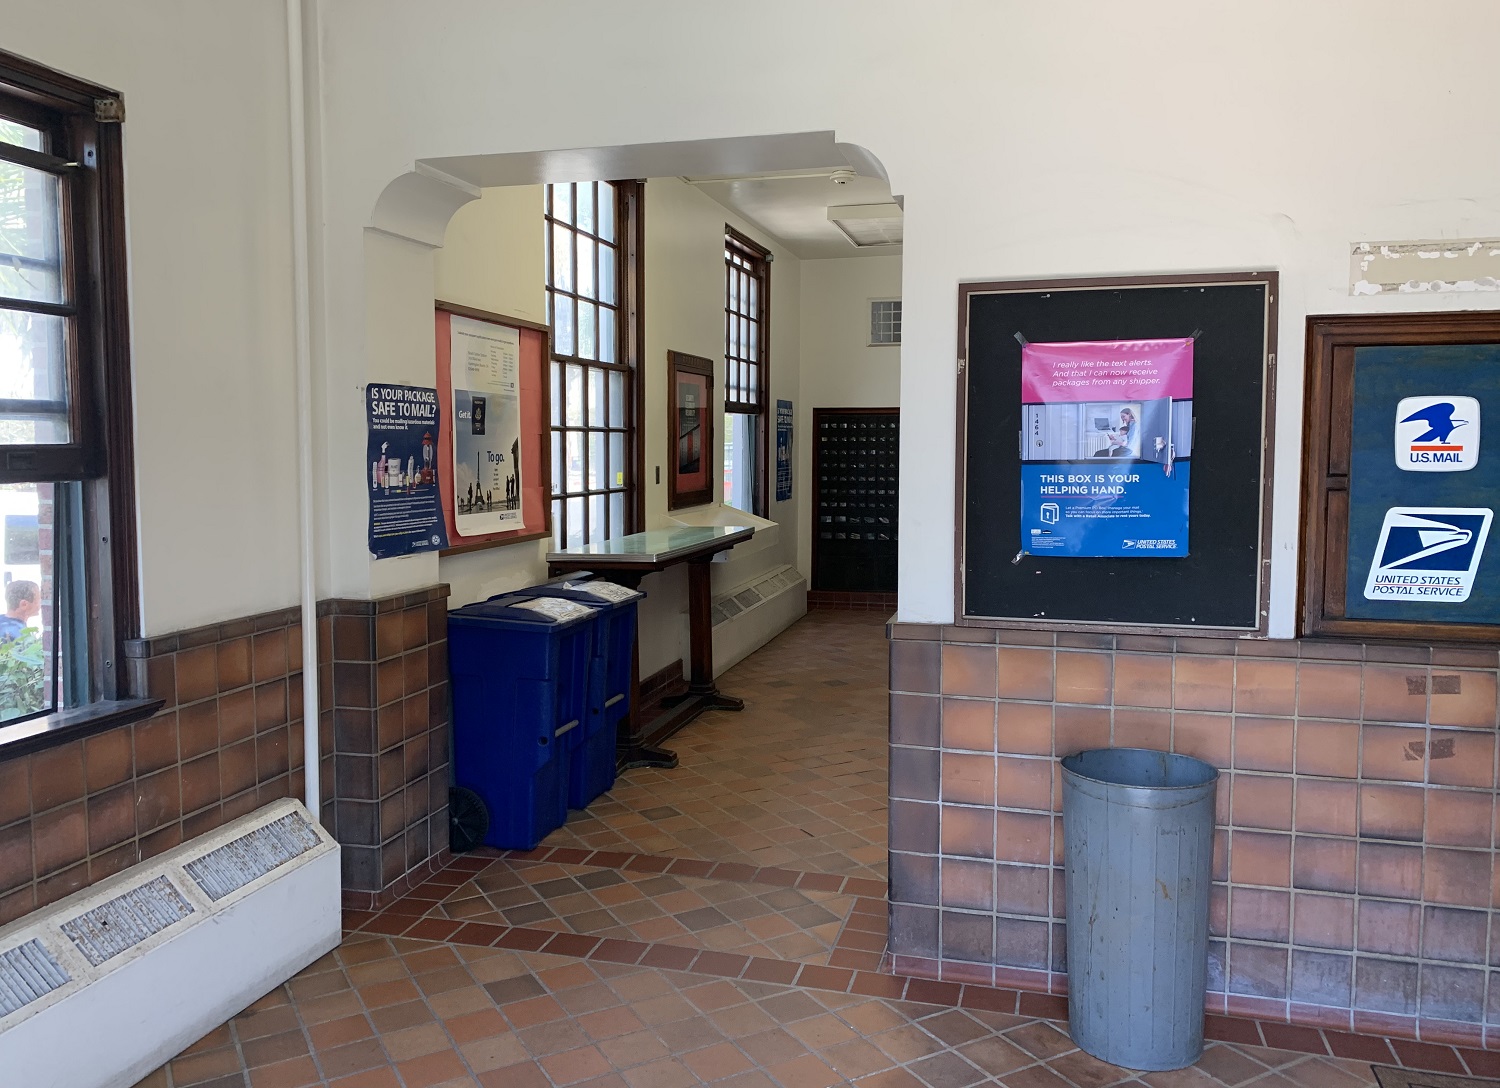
(29, 220)
(585, 199)
(557, 400)
(596, 397)
(606, 211)
(33, 365)
(734, 290)
(598, 467)
(588, 346)
(575, 523)
(585, 266)
(617, 460)
(13, 132)
(607, 274)
(752, 349)
(617, 514)
(598, 526)
(562, 258)
(562, 202)
(575, 462)
(562, 325)
(616, 399)
(28, 627)
(607, 352)
(739, 460)
(557, 462)
(558, 540)
(574, 414)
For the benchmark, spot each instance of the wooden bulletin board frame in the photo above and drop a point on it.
(536, 448)
(1222, 587)
(1327, 460)
(680, 494)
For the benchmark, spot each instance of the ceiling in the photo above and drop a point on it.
(793, 207)
(779, 182)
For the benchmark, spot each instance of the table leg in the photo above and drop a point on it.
(701, 642)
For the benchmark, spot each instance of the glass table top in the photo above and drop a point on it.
(657, 545)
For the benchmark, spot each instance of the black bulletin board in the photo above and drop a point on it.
(1220, 586)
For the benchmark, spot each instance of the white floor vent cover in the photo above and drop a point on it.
(126, 920)
(28, 973)
(100, 988)
(730, 605)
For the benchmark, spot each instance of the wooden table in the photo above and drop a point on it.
(627, 560)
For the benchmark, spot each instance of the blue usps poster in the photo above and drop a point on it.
(1106, 448)
(783, 450)
(1422, 489)
(406, 514)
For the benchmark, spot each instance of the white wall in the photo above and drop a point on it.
(1156, 136)
(839, 367)
(492, 257)
(207, 193)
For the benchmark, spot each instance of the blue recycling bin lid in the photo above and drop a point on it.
(599, 595)
(523, 611)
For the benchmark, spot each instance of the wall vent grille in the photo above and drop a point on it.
(27, 973)
(747, 598)
(229, 868)
(125, 921)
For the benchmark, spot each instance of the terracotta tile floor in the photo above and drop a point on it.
(387, 1011)
(797, 780)
(724, 915)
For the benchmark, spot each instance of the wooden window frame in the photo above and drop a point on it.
(1327, 432)
(629, 245)
(739, 368)
(85, 150)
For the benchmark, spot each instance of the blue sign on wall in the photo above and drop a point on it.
(401, 470)
(1422, 490)
(783, 450)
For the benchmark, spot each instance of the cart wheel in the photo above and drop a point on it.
(468, 820)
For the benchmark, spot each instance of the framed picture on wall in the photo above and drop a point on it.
(690, 430)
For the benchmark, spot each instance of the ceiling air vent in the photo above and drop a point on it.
(27, 973)
(869, 225)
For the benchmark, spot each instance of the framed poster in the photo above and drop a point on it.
(493, 390)
(690, 431)
(1399, 493)
(1093, 416)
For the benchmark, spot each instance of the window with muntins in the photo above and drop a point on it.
(747, 311)
(593, 279)
(67, 530)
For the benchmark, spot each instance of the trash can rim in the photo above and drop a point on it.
(1212, 772)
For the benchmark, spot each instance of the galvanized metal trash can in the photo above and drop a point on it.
(1138, 838)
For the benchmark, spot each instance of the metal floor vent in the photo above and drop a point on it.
(27, 973)
(253, 855)
(125, 921)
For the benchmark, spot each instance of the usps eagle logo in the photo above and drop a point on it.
(1428, 553)
(1437, 434)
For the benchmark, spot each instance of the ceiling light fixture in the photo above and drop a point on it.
(869, 225)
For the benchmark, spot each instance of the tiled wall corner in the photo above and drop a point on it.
(227, 740)
(1355, 876)
(385, 680)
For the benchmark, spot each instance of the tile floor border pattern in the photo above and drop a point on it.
(407, 920)
(739, 872)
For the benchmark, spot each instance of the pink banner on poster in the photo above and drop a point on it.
(1107, 370)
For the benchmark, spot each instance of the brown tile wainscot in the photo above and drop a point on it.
(1355, 877)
